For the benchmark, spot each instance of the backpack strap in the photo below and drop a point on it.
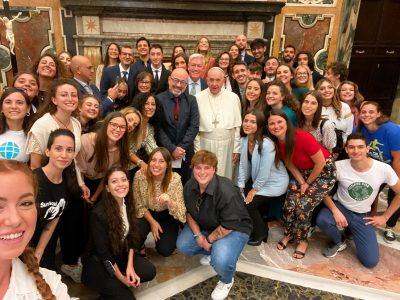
(322, 124)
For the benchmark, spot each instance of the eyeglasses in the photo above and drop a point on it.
(116, 126)
(176, 81)
(302, 74)
(145, 81)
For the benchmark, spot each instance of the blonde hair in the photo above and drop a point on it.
(135, 137)
(336, 103)
(309, 83)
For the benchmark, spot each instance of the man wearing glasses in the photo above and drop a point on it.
(124, 70)
(179, 122)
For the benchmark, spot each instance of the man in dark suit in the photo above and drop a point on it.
(240, 73)
(143, 49)
(157, 68)
(123, 70)
(241, 42)
(83, 72)
(179, 121)
(195, 68)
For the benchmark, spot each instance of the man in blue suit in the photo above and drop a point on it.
(83, 72)
(123, 70)
(179, 121)
(196, 66)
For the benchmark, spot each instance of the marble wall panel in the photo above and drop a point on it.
(348, 26)
(309, 32)
(31, 38)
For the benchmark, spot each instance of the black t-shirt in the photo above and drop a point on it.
(51, 199)
(220, 204)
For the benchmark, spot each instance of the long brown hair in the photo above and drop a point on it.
(260, 133)
(60, 70)
(288, 99)
(260, 104)
(114, 218)
(135, 137)
(168, 172)
(301, 119)
(3, 120)
(100, 153)
(289, 137)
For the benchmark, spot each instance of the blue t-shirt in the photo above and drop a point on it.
(383, 141)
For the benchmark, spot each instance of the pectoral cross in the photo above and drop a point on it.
(215, 122)
(21, 12)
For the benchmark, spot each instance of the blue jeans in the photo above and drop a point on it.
(364, 236)
(224, 252)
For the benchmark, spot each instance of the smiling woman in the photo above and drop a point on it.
(14, 119)
(158, 195)
(17, 225)
(101, 150)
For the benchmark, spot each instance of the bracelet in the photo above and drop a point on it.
(197, 235)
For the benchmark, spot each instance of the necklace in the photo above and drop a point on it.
(58, 120)
(215, 122)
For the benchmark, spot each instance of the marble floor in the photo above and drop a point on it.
(341, 277)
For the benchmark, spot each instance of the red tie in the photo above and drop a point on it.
(177, 109)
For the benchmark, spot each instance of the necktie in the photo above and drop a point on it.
(125, 75)
(193, 89)
(156, 78)
(88, 89)
(177, 109)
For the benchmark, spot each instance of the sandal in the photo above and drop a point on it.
(281, 245)
(298, 254)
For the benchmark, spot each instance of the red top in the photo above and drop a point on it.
(305, 146)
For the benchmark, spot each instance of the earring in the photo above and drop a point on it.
(28, 114)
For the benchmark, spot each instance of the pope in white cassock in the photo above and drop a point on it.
(220, 121)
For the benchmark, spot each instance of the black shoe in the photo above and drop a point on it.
(257, 242)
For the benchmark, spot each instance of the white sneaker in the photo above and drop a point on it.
(205, 260)
(74, 272)
(221, 291)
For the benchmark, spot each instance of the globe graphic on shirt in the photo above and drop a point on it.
(9, 150)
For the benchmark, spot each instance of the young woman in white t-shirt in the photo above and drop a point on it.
(14, 118)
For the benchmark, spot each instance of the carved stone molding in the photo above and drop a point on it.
(228, 10)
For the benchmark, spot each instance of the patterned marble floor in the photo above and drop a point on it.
(342, 275)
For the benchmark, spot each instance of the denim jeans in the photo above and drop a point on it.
(224, 252)
(364, 236)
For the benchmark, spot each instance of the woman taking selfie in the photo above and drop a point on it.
(20, 276)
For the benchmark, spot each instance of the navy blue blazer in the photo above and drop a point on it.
(82, 90)
(163, 80)
(182, 134)
(248, 59)
(109, 77)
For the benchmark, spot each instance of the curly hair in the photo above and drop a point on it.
(311, 61)
(60, 70)
(358, 98)
(336, 103)
(288, 98)
(216, 63)
(114, 217)
(3, 120)
(29, 259)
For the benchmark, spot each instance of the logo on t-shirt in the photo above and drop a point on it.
(360, 191)
(9, 150)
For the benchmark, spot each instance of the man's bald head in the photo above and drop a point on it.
(82, 68)
(177, 81)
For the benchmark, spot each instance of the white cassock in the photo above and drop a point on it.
(219, 130)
